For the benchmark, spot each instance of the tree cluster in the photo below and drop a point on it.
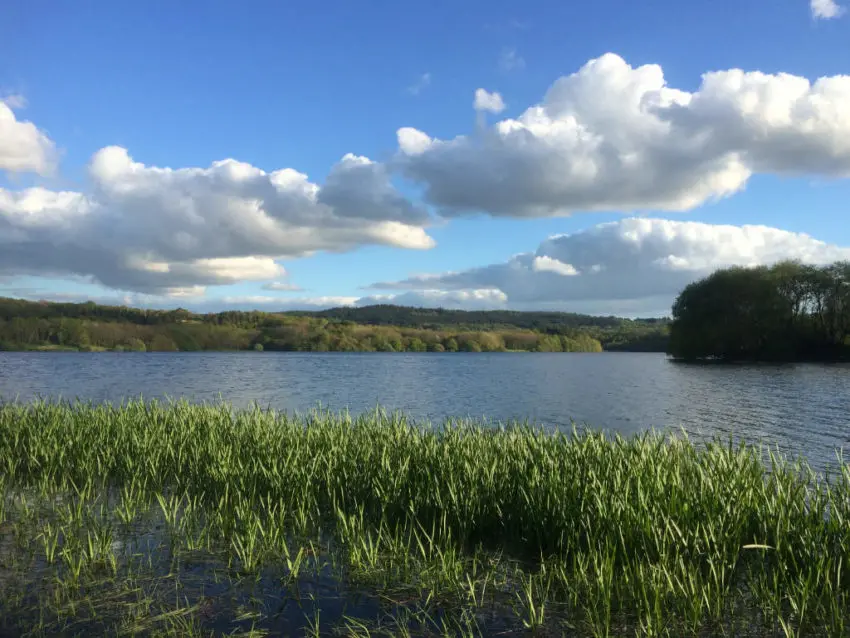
(789, 312)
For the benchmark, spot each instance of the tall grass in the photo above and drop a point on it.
(460, 529)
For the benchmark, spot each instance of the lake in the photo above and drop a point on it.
(802, 408)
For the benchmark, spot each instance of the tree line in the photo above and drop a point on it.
(28, 325)
(786, 312)
(438, 318)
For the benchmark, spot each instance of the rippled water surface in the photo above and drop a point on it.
(802, 408)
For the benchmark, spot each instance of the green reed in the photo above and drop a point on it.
(549, 531)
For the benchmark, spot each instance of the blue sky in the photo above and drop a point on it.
(299, 85)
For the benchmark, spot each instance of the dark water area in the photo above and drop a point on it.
(801, 408)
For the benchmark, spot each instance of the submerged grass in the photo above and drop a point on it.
(149, 519)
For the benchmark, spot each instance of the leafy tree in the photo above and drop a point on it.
(788, 311)
(490, 341)
(184, 339)
(162, 343)
(416, 345)
(549, 343)
(136, 345)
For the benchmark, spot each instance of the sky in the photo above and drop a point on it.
(586, 157)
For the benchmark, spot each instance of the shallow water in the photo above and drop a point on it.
(801, 408)
(160, 587)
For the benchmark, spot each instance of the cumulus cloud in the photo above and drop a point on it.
(825, 9)
(23, 147)
(362, 189)
(627, 267)
(490, 102)
(614, 137)
(412, 141)
(153, 230)
(549, 264)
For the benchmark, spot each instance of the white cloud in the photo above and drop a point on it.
(422, 83)
(239, 268)
(150, 229)
(825, 9)
(185, 292)
(282, 286)
(362, 189)
(633, 266)
(490, 102)
(549, 264)
(510, 60)
(614, 137)
(413, 142)
(23, 147)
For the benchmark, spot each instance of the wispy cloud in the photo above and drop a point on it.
(510, 60)
(826, 9)
(420, 85)
(283, 286)
(14, 101)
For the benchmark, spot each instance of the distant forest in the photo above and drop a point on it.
(787, 312)
(29, 325)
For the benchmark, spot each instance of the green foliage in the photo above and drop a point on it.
(92, 327)
(136, 345)
(416, 345)
(787, 312)
(162, 343)
(440, 318)
(549, 343)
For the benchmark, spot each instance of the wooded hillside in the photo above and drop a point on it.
(26, 325)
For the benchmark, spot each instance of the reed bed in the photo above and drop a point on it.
(177, 519)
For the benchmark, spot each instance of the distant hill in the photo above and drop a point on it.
(436, 318)
(26, 325)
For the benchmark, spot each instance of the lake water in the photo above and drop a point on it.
(802, 408)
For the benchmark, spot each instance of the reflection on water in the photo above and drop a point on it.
(803, 408)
